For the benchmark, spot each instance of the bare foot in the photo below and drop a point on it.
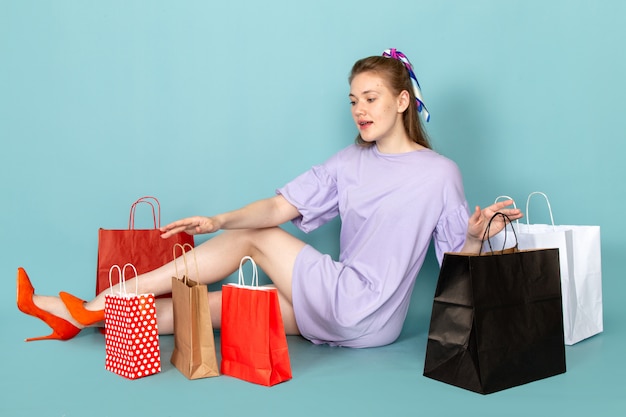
(55, 306)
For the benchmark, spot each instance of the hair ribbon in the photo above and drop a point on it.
(397, 55)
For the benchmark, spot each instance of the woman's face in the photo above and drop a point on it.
(376, 111)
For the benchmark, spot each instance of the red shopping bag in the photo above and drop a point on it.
(254, 344)
(144, 248)
(131, 331)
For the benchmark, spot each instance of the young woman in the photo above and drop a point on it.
(393, 193)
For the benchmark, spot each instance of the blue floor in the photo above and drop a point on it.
(68, 379)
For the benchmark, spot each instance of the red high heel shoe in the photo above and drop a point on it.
(77, 309)
(61, 328)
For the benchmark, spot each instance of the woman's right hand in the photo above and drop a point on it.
(191, 225)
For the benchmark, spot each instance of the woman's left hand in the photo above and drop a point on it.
(480, 219)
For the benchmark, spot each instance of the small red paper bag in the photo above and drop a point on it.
(131, 332)
(254, 345)
(144, 248)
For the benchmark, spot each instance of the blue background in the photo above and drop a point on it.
(210, 105)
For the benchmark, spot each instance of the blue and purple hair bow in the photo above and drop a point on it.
(395, 54)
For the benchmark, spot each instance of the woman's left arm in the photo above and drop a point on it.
(480, 219)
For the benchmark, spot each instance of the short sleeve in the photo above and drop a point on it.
(314, 194)
(451, 231)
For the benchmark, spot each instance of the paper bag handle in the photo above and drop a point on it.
(547, 202)
(184, 256)
(122, 275)
(156, 214)
(486, 234)
(498, 198)
(255, 272)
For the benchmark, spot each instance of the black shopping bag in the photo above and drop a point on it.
(497, 320)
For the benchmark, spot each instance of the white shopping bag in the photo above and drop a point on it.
(581, 270)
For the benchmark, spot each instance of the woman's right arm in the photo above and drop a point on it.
(264, 213)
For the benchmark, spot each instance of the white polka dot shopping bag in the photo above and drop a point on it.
(131, 332)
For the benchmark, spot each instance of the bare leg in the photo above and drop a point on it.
(165, 313)
(286, 310)
(273, 249)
